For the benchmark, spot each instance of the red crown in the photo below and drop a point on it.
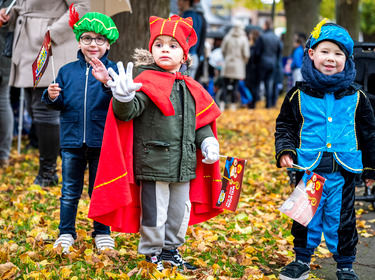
(177, 27)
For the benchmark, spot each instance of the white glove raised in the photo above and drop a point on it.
(123, 88)
(210, 150)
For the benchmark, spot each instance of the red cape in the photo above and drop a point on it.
(115, 200)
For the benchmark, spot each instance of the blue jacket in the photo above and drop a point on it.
(83, 102)
(297, 57)
(329, 126)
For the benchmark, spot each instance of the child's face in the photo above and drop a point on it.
(328, 58)
(96, 48)
(168, 53)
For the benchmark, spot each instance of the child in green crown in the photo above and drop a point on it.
(83, 101)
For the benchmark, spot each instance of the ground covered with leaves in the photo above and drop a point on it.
(252, 243)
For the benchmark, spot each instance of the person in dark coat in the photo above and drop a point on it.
(267, 54)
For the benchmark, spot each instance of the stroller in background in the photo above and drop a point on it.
(364, 58)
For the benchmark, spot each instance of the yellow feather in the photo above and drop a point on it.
(316, 32)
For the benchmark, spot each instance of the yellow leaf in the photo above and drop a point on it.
(89, 252)
(366, 235)
(201, 263)
(249, 249)
(65, 272)
(24, 258)
(181, 277)
(242, 217)
(290, 239)
(215, 266)
(44, 262)
(322, 250)
(246, 230)
(122, 252)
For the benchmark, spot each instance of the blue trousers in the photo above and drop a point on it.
(74, 162)
(335, 218)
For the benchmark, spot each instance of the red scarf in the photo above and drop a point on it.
(115, 200)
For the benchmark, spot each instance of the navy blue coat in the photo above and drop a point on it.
(83, 102)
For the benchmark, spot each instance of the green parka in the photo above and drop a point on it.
(164, 146)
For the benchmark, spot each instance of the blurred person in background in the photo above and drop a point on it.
(251, 69)
(193, 9)
(6, 112)
(30, 20)
(267, 53)
(297, 56)
(236, 53)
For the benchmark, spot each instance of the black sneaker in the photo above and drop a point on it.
(156, 260)
(295, 270)
(346, 274)
(174, 258)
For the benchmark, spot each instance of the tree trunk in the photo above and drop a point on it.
(301, 17)
(134, 27)
(347, 15)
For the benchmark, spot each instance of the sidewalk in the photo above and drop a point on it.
(365, 263)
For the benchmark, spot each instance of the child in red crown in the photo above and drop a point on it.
(175, 151)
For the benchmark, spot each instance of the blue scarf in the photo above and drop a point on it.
(324, 83)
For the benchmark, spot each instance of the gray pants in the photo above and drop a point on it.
(165, 216)
(6, 121)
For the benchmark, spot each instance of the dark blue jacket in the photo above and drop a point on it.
(198, 25)
(268, 50)
(83, 102)
(297, 57)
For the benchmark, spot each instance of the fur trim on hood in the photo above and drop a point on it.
(144, 57)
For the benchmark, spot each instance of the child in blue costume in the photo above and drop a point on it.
(83, 101)
(327, 125)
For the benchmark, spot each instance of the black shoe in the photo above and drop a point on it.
(295, 270)
(174, 258)
(47, 179)
(156, 260)
(346, 274)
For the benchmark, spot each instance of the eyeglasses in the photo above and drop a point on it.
(100, 40)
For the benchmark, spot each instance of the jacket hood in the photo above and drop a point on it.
(143, 57)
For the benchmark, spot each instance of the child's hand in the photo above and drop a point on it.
(3, 16)
(99, 71)
(369, 182)
(210, 150)
(123, 88)
(286, 161)
(53, 91)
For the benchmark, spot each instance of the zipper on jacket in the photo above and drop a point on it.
(85, 102)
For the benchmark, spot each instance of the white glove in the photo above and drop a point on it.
(123, 88)
(210, 150)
